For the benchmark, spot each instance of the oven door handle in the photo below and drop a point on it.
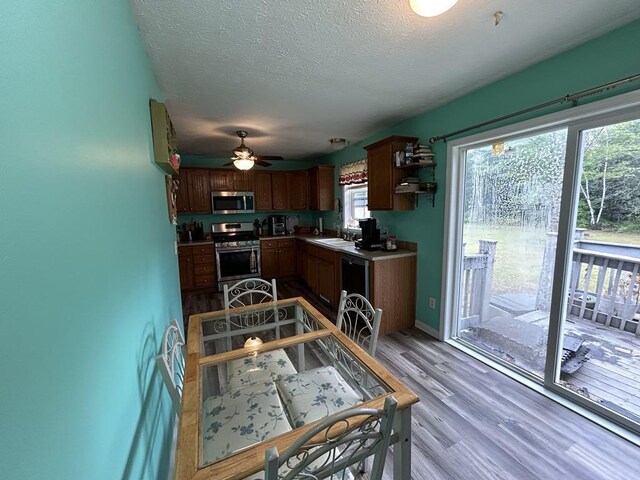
(235, 250)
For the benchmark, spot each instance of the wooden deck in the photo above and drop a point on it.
(612, 375)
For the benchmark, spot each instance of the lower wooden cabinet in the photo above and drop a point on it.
(321, 273)
(197, 267)
(278, 258)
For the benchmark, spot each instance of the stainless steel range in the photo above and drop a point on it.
(237, 251)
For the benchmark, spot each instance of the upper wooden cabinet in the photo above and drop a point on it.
(194, 193)
(279, 191)
(383, 175)
(231, 180)
(221, 180)
(322, 188)
(298, 187)
(262, 189)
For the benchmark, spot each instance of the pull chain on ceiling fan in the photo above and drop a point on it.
(244, 159)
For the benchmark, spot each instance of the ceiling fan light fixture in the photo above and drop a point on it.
(243, 163)
(431, 8)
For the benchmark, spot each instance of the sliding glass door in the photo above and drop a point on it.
(600, 357)
(543, 255)
(512, 191)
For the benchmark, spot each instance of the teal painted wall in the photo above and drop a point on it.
(88, 273)
(608, 58)
(306, 218)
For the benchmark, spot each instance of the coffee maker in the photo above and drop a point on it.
(277, 225)
(370, 235)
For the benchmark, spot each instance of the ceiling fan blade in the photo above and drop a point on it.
(262, 163)
(269, 157)
(228, 164)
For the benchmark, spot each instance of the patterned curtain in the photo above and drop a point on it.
(354, 172)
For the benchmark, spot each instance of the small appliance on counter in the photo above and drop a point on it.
(370, 235)
(277, 225)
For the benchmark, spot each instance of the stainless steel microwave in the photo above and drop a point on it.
(232, 202)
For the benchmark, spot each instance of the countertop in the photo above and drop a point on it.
(373, 256)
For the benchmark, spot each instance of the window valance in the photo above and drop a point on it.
(354, 172)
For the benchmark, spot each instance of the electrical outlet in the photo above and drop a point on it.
(432, 302)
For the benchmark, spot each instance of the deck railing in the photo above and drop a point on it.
(477, 278)
(605, 288)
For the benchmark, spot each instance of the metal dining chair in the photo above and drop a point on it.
(250, 291)
(342, 442)
(359, 320)
(171, 361)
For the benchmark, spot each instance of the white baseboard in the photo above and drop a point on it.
(428, 330)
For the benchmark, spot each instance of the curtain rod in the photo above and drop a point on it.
(572, 97)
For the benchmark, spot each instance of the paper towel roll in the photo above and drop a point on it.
(320, 225)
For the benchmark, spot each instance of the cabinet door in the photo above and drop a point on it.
(269, 263)
(182, 198)
(263, 191)
(298, 190)
(286, 262)
(185, 267)
(312, 273)
(321, 188)
(313, 189)
(243, 181)
(380, 178)
(326, 281)
(199, 191)
(221, 180)
(279, 193)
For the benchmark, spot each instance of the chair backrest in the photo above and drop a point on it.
(343, 442)
(171, 362)
(249, 292)
(359, 320)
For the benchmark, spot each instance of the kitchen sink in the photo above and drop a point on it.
(338, 242)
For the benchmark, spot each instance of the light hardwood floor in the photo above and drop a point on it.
(472, 422)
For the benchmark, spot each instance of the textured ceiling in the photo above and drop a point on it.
(295, 73)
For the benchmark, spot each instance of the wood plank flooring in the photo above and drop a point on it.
(472, 422)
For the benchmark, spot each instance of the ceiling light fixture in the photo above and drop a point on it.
(337, 143)
(431, 8)
(243, 163)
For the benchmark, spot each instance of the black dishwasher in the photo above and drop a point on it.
(355, 275)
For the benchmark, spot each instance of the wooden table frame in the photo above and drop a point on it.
(251, 460)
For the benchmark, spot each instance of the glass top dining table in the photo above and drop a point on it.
(261, 376)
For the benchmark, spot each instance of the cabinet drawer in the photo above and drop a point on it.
(202, 250)
(203, 259)
(287, 243)
(204, 280)
(325, 254)
(184, 251)
(203, 268)
(268, 243)
(301, 245)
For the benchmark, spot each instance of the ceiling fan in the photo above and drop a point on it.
(244, 159)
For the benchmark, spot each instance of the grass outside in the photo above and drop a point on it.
(519, 253)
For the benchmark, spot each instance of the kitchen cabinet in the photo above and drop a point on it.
(221, 180)
(194, 194)
(279, 191)
(197, 266)
(263, 199)
(321, 268)
(298, 187)
(322, 188)
(384, 176)
(182, 196)
(277, 258)
(301, 259)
